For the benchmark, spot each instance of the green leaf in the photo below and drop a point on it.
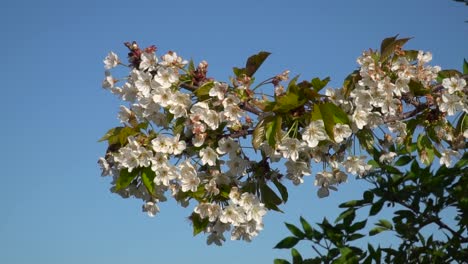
(447, 74)
(368, 196)
(287, 102)
(306, 227)
(417, 88)
(203, 91)
(109, 133)
(465, 67)
(351, 212)
(331, 115)
(258, 135)
(385, 224)
(273, 130)
(351, 203)
(281, 261)
(366, 139)
(355, 237)
(269, 197)
(374, 231)
(389, 45)
(297, 258)
(147, 177)
(376, 207)
(199, 224)
(254, 62)
(282, 189)
(125, 178)
(357, 226)
(403, 160)
(287, 242)
(238, 71)
(319, 84)
(295, 231)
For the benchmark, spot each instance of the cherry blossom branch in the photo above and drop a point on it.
(246, 106)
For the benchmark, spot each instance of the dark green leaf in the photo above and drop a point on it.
(376, 207)
(282, 189)
(374, 231)
(417, 88)
(351, 212)
(306, 227)
(297, 258)
(295, 231)
(351, 203)
(125, 178)
(368, 196)
(254, 62)
(465, 67)
(357, 226)
(269, 197)
(319, 84)
(403, 160)
(355, 236)
(109, 133)
(287, 242)
(281, 261)
(199, 224)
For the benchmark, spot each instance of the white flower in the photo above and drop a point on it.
(105, 167)
(164, 175)
(448, 156)
(166, 77)
(357, 165)
(125, 114)
(454, 84)
(227, 145)
(235, 195)
(290, 148)
(237, 165)
(256, 212)
(211, 187)
(360, 118)
(109, 81)
(387, 157)
(208, 156)
(341, 132)
(162, 144)
(232, 214)
(145, 83)
(424, 57)
(465, 133)
(148, 61)
(111, 61)
(295, 170)
(162, 96)
(171, 59)
(151, 208)
(190, 182)
(218, 90)
(314, 133)
(451, 104)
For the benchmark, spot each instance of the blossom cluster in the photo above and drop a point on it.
(181, 133)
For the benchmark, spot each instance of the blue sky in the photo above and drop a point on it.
(55, 207)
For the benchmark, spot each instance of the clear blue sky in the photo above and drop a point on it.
(55, 207)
